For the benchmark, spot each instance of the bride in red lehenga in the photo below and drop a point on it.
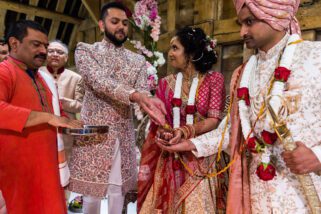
(175, 183)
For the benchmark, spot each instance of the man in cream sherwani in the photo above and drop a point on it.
(69, 83)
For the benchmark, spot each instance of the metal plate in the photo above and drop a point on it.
(87, 130)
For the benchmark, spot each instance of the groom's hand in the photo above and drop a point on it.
(301, 160)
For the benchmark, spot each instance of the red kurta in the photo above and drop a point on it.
(29, 176)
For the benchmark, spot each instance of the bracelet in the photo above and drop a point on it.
(183, 131)
(192, 131)
(187, 131)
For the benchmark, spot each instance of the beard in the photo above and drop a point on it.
(117, 42)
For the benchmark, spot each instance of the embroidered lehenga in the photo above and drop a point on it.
(164, 184)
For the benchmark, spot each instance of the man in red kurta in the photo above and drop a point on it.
(29, 175)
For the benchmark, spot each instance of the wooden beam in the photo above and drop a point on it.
(72, 44)
(90, 36)
(164, 40)
(310, 22)
(55, 24)
(226, 26)
(87, 24)
(36, 11)
(99, 34)
(171, 15)
(2, 22)
(206, 25)
(309, 35)
(33, 3)
(228, 38)
(205, 10)
(309, 9)
(93, 9)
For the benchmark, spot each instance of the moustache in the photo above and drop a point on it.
(41, 56)
(120, 31)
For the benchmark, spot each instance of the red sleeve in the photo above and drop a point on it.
(217, 96)
(11, 117)
(62, 113)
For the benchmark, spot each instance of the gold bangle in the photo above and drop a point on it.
(192, 130)
(188, 132)
(183, 131)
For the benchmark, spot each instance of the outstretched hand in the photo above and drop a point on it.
(176, 138)
(57, 121)
(153, 106)
(181, 146)
(163, 135)
(302, 160)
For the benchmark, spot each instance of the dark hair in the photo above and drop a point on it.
(195, 43)
(104, 12)
(19, 29)
(2, 41)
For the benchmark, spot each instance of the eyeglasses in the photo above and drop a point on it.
(57, 51)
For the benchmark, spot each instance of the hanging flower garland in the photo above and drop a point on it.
(265, 140)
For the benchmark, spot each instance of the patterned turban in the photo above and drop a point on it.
(279, 14)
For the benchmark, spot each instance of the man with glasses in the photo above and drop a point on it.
(69, 83)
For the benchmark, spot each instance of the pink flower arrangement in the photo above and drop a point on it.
(141, 49)
(146, 17)
(147, 21)
(152, 79)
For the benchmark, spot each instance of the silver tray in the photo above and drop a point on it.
(87, 130)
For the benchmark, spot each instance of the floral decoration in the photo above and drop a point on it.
(146, 21)
(281, 74)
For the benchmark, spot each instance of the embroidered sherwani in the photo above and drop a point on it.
(110, 75)
(283, 194)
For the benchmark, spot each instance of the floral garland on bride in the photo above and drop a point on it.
(263, 142)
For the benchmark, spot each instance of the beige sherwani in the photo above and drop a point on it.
(283, 194)
(71, 92)
(110, 75)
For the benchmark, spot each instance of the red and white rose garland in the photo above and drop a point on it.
(177, 101)
(263, 142)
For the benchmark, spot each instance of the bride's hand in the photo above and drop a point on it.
(181, 146)
(163, 136)
(177, 137)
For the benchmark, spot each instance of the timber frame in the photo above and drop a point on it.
(74, 21)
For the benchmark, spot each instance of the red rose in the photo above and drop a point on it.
(251, 144)
(282, 74)
(265, 172)
(243, 94)
(268, 137)
(190, 109)
(177, 102)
